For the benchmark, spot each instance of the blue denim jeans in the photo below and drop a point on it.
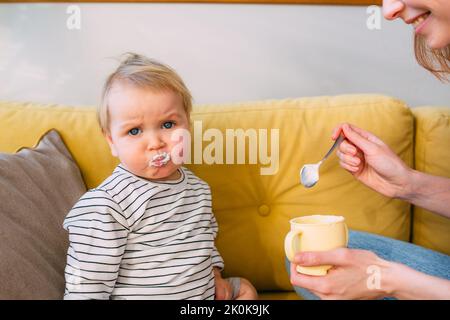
(416, 257)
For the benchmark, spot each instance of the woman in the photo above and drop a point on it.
(388, 267)
(431, 22)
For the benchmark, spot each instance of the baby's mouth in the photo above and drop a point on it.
(160, 159)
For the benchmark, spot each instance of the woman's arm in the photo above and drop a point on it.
(407, 283)
(428, 192)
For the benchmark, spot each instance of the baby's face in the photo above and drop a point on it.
(141, 125)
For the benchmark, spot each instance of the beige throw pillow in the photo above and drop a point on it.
(38, 187)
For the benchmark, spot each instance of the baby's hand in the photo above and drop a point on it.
(223, 287)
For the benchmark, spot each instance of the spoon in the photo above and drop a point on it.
(309, 174)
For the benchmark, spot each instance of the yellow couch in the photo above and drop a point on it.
(253, 210)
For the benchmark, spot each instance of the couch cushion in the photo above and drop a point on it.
(432, 155)
(37, 188)
(253, 210)
(77, 126)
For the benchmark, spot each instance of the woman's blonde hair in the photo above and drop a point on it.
(437, 61)
(142, 72)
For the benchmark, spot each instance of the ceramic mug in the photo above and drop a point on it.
(315, 233)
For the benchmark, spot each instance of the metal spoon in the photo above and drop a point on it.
(309, 174)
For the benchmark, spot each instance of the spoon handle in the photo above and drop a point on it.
(336, 143)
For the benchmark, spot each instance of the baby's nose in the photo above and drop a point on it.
(155, 144)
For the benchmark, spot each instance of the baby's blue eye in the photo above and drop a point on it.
(168, 124)
(134, 131)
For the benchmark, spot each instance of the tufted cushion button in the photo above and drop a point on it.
(264, 210)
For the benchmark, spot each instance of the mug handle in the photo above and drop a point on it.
(289, 244)
(346, 234)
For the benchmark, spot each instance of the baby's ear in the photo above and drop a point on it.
(111, 144)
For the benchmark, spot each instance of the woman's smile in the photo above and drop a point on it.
(419, 22)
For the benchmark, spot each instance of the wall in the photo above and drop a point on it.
(225, 53)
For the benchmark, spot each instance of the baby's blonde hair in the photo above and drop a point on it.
(142, 72)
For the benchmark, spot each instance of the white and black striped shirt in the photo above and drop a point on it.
(131, 238)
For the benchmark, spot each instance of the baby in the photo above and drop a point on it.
(148, 230)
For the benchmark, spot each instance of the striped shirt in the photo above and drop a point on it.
(131, 238)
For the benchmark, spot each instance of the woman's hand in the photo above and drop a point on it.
(361, 274)
(223, 287)
(356, 274)
(372, 162)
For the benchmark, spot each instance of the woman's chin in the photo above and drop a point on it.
(436, 43)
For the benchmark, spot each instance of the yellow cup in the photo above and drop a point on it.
(315, 233)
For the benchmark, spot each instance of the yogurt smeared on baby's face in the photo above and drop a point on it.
(159, 160)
